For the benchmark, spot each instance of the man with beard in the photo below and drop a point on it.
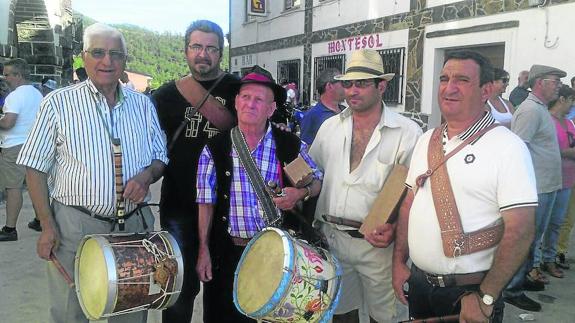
(188, 126)
(357, 150)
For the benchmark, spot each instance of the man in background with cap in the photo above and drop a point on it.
(20, 110)
(48, 85)
(331, 94)
(533, 124)
(230, 213)
(356, 150)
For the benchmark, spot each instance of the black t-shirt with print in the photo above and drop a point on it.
(179, 183)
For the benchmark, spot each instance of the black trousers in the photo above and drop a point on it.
(218, 293)
(426, 300)
(183, 226)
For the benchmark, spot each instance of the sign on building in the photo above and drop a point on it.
(257, 7)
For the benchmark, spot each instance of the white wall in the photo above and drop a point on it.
(286, 23)
(333, 13)
(393, 39)
(268, 60)
(524, 46)
(435, 3)
(4, 9)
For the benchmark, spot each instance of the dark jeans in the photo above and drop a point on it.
(219, 292)
(186, 233)
(426, 300)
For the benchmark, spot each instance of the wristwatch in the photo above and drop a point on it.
(486, 298)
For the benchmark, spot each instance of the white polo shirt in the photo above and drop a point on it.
(350, 194)
(489, 176)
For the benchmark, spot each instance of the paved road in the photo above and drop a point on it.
(24, 294)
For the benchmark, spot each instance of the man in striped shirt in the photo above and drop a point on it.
(69, 159)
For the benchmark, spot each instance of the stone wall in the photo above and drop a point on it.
(47, 49)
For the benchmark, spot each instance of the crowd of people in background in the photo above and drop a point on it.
(211, 210)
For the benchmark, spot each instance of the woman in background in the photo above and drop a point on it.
(501, 109)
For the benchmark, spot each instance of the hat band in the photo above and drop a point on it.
(362, 69)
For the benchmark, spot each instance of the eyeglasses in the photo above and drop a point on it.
(99, 53)
(360, 84)
(504, 80)
(197, 48)
(555, 81)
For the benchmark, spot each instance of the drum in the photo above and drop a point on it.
(283, 279)
(124, 273)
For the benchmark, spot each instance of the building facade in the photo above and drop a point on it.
(296, 39)
(44, 33)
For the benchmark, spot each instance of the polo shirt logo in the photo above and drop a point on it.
(469, 158)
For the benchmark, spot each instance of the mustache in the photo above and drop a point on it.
(203, 61)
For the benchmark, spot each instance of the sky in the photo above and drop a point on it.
(163, 15)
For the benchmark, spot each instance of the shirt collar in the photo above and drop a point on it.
(535, 98)
(479, 125)
(120, 95)
(388, 118)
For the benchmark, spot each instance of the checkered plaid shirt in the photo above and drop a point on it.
(245, 218)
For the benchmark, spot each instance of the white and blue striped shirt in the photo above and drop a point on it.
(70, 143)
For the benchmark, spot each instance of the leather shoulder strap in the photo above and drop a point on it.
(455, 241)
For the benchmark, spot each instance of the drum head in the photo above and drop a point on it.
(260, 272)
(93, 279)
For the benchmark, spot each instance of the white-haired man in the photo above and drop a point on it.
(71, 143)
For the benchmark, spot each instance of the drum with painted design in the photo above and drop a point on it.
(283, 279)
(123, 273)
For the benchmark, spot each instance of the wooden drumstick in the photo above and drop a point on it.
(62, 270)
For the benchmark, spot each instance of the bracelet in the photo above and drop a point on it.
(307, 194)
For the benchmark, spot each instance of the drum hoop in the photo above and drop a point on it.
(288, 266)
(175, 251)
(111, 270)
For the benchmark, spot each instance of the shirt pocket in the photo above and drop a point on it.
(375, 178)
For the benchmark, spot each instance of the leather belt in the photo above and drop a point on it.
(453, 280)
(92, 214)
(241, 242)
(353, 233)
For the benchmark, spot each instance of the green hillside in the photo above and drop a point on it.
(159, 55)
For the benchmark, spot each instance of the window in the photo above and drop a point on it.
(289, 4)
(394, 62)
(321, 63)
(289, 71)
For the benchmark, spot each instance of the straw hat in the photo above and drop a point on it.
(365, 64)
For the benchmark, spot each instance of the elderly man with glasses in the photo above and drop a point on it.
(357, 150)
(69, 159)
(534, 125)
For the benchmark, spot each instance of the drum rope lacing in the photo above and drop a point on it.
(158, 256)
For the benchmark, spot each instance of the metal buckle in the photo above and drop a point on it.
(435, 280)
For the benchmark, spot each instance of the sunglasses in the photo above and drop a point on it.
(360, 84)
(99, 53)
